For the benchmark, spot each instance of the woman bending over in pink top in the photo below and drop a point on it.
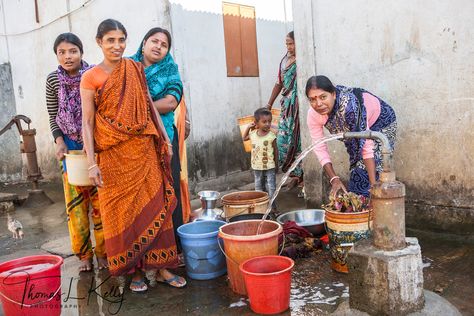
(343, 109)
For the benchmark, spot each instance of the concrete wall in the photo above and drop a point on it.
(10, 168)
(419, 60)
(10, 156)
(216, 101)
(28, 47)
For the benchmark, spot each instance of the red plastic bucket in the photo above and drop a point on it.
(31, 286)
(268, 283)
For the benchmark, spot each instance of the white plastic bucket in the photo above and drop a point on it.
(77, 168)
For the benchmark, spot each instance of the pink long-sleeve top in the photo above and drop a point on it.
(317, 121)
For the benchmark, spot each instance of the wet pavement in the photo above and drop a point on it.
(316, 289)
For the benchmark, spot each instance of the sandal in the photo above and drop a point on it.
(181, 282)
(138, 286)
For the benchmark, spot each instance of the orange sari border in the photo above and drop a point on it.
(180, 122)
(146, 223)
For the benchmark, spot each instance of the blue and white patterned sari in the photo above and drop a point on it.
(350, 115)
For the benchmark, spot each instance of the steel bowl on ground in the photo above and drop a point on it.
(310, 219)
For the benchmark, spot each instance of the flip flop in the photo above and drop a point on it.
(140, 286)
(176, 279)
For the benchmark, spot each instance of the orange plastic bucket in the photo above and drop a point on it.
(242, 243)
(31, 286)
(268, 283)
(245, 121)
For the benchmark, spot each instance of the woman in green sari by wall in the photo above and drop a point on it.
(288, 138)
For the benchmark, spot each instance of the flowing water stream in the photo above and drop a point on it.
(292, 167)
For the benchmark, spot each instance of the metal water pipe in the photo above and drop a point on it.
(386, 148)
(36, 196)
(387, 197)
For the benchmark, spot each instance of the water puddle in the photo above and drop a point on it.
(242, 302)
(320, 294)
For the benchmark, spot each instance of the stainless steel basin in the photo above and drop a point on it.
(310, 219)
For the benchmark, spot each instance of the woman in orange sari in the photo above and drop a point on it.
(132, 168)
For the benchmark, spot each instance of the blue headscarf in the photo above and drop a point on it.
(163, 79)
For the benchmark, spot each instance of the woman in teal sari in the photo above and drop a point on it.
(288, 138)
(166, 90)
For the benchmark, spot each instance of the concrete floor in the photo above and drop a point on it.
(316, 289)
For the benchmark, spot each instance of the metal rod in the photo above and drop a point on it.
(37, 12)
(386, 148)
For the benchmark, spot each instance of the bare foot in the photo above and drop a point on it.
(102, 263)
(86, 265)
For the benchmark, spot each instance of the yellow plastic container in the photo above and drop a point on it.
(245, 121)
(77, 168)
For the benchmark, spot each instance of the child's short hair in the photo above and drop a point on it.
(261, 112)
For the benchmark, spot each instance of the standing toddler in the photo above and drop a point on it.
(264, 156)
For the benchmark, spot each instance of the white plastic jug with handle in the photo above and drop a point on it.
(77, 168)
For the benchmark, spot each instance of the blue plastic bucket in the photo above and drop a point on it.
(202, 255)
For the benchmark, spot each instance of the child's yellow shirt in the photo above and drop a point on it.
(262, 157)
